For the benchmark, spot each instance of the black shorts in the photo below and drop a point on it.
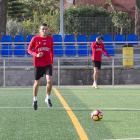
(97, 64)
(40, 71)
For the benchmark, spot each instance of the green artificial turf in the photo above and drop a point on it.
(120, 107)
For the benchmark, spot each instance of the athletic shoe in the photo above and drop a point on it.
(48, 102)
(95, 86)
(35, 105)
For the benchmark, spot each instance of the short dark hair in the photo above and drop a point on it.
(100, 37)
(43, 24)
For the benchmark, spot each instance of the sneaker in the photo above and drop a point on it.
(95, 86)
(48, 102)
(35, 105)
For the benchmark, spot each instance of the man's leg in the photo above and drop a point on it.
(48, 90)
(95, 76)
(35, 91)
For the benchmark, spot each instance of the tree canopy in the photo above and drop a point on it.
(85, 11)
(40, 6)
(15, 9)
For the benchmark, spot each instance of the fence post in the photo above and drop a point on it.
(113, 72)
(58, 72)
(4, 72)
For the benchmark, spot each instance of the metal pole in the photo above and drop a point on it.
(113, 72)
(58, 72)
(4, 72)
(61, 20)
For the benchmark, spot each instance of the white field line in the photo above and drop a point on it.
(124, 139)
(76, 86)
(17, 87)
(77, 108)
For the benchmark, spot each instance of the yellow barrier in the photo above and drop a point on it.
(128, 52)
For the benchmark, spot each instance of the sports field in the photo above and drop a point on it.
(69, 118)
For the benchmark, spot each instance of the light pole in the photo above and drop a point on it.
(61, 20)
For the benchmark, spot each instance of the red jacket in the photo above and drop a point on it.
(97, 51)
(45, 45)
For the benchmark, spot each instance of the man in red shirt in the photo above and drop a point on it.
(97, 49)
(41, 47)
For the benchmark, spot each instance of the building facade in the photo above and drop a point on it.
(120, 5)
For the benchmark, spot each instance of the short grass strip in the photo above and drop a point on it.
(75, 121)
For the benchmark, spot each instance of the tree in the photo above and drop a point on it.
(84, 19)
(137, 19)
(33, 24)
(111, 5)
(3, 17)
(40, 6)
(15, 9)
(16, 28)
(121, 20)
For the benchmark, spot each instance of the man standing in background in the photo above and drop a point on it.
(97, 49)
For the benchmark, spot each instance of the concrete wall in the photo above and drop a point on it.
(23, 77)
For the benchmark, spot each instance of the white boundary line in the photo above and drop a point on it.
(77, 108)
(76, 86)
(124, 139)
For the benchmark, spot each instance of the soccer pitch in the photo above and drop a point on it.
(70, 116)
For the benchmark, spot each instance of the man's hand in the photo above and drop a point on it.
(97, 39)
(40, 54)
(110, 58)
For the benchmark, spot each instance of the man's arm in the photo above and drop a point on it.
(52, 53)
(31, 46)
(105, 52)
(93, 45)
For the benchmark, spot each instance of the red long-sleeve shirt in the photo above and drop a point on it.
(45, 45)
(97, 51)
